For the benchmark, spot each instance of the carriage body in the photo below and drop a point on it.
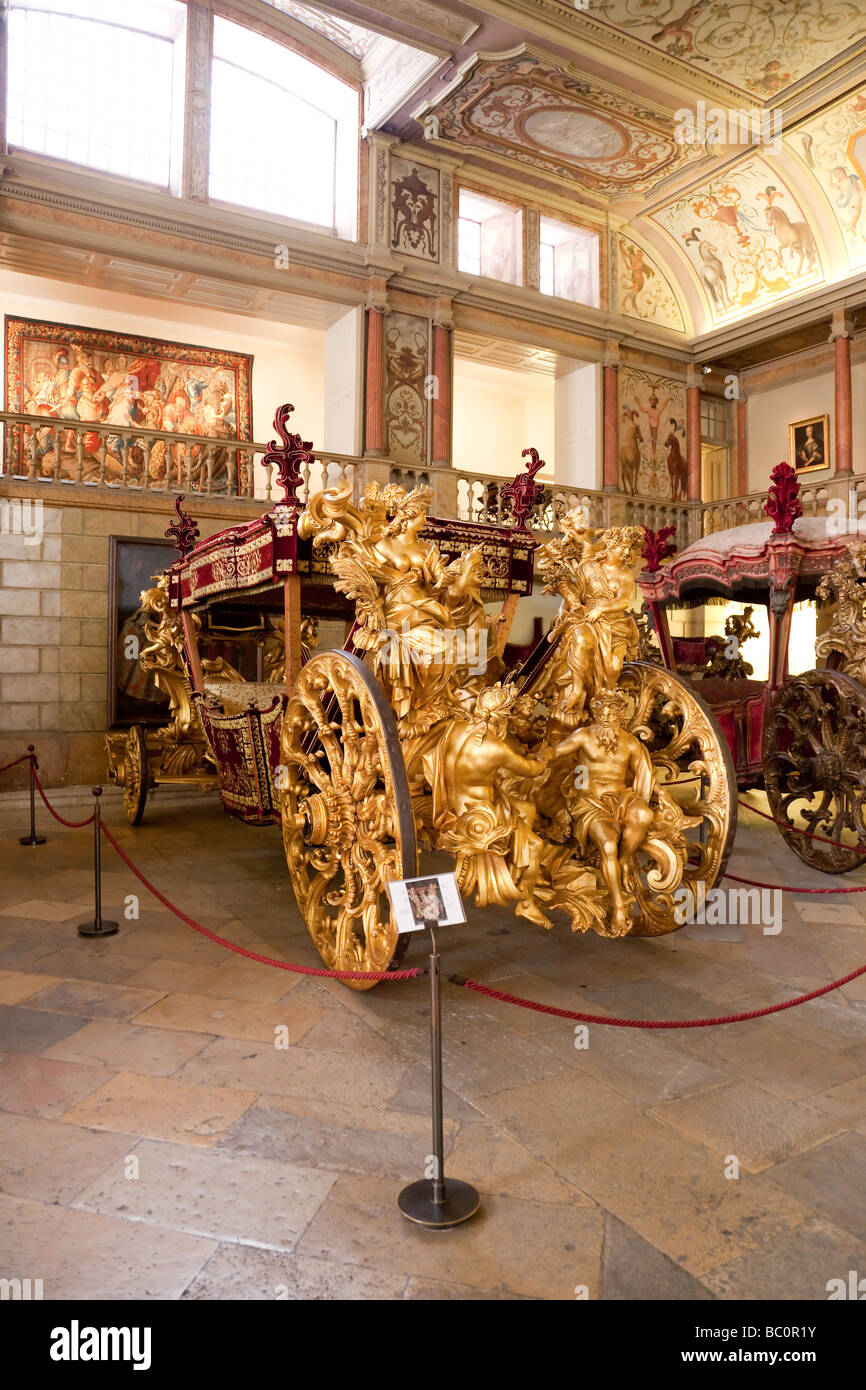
(801, 737)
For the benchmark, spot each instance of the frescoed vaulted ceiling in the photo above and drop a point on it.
(760, 46)
(581, 102)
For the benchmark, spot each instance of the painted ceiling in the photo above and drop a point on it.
(760, 46)
(580, 102)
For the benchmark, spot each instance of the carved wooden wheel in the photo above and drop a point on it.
(347, 813)
(684, 741)
(135, 774)
(814, 752)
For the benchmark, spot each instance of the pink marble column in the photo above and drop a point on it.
(374, 429)
(843, 430)
(693, 413)
(611, 429)
(742, 478)
(442, 394)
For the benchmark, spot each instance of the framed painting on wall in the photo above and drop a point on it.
(133, 696)
(809, 443)
(96, 376)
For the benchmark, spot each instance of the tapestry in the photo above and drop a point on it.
(102, 377)
(653, 458)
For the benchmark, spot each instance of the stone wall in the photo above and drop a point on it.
(54, 625)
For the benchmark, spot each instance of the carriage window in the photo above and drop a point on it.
(568, 262)
(85, 88)
(284, 133)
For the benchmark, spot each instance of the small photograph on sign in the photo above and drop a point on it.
(418, 902)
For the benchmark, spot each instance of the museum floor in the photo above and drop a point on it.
(266, 1173)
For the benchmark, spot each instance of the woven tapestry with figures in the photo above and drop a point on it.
(95, 377)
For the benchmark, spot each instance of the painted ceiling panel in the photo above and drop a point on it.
(761, 46)
(746, 239)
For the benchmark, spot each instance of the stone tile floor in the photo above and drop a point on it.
(156, 1143)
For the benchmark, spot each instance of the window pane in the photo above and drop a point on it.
(274, 132)
(496, 245)
(92, 92)
(469, 246)
(574, 253)
(546, 282)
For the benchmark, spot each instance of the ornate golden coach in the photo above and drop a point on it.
(585, 782)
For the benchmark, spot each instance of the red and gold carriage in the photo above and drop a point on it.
(584, 782)
(802, 737)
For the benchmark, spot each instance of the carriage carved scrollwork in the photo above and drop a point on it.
(590, 784)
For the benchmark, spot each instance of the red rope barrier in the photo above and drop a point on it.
(792, 888)
(70, 824)
(23, 759)
(798, 830)
(652, 1022)
(242, 950)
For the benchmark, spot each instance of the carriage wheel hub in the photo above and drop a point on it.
(828, 771)
(329, 818)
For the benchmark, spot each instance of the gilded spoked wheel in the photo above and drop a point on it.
(347, 813)
(814, 752)
(687, 747)
(135, 774)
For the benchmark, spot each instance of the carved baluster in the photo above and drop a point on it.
(231, 472)
(209, 461)
(125, 444)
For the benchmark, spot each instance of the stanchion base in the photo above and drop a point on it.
(32, 840)
(102, 928)
(461, 1203)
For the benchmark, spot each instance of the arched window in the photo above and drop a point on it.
(99, 84)
(283, 133)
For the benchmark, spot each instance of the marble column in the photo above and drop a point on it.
(843, 433)
(374, 427)
(442, 343)
(693, 430)
(611, 427)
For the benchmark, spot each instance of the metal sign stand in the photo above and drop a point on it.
(438, 1202)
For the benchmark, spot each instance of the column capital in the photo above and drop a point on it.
(610, 355)
(841, 325)
(694, 376)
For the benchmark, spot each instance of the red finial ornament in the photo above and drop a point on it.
(783, 504)
(523, 491)
(657, 547)
(288, 458)
(184, 532)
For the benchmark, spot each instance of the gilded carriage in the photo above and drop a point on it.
(583, 782)
(801, 737)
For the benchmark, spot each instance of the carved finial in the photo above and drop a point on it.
(288, 458)
(657, 546)
(184, 532)
(524, 492)
(783, 504)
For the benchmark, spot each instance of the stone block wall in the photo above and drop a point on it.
(54, 631)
